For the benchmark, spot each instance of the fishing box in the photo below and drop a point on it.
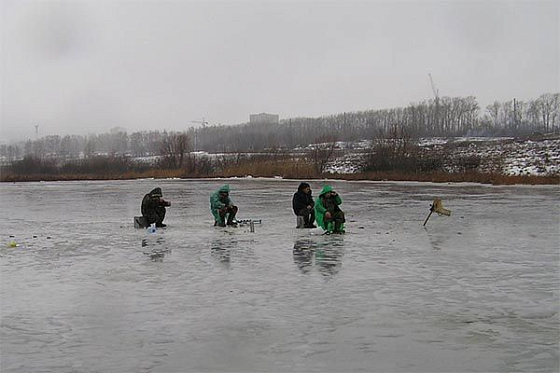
(140, 222)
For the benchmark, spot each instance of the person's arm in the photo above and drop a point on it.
(311, 202)
(337, 199)
(215, 202)
(319, 208)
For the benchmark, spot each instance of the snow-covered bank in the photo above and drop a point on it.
(505, 155)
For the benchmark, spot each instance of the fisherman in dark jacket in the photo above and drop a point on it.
(153, 207)
(303, 204)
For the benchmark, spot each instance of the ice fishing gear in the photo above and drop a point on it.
(437, 206)
(250, 222)
(140, 222)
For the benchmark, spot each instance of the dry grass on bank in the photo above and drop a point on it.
(127, 175)
(459, 177)
(292, 169)
(286, 168)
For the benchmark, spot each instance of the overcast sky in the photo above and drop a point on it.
(78, 67)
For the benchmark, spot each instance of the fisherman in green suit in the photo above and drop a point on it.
(329, 216)
(221, 206)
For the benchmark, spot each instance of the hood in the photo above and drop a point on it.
(224, 188)
(156, 192)
(326, 189)
(302, 186)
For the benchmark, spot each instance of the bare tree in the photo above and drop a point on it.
(549, 110)
(137, 144)
(89, 149)
(322, 152)
(174, 148)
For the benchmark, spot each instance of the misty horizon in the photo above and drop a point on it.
(86, 67)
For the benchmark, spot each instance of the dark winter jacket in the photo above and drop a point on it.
(153, 206)
(301, 199)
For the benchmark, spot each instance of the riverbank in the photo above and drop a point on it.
(434, 177)
(501, 161)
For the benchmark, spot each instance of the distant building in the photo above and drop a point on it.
(263, 118)
(116, 130)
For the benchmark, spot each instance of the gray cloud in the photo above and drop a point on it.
(86, 66)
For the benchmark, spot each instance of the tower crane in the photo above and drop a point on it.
(203, 122)
(436, 98)
(436, 92)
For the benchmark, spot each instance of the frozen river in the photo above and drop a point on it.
(86, 292)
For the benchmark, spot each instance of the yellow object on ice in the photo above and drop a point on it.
(437, 206)
(12, 244)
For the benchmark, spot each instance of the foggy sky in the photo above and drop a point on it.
(78, 67)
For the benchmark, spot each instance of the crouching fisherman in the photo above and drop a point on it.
(329, 216)
(153, 207)
(222, 207)
(303, 204)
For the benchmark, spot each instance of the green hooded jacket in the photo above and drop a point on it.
(320, 209)
(216, 203)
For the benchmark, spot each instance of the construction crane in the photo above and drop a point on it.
(203, 122)
(436, 98)
(436, 92)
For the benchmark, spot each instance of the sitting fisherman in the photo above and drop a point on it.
(221, 206)
(329, 216)
(303, 204)
(153, 207)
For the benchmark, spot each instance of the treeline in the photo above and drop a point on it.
(111, 167)
(442, 117)
(393, 160)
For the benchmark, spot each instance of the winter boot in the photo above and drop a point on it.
(339, 227)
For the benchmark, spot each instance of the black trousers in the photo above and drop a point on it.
(156, 215)
(230, 211)
(308, 216)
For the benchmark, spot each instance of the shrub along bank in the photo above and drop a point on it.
(240, 165)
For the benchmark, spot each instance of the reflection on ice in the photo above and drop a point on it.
(303, 254)
(220, 249)
(325, 252)
(155, 247)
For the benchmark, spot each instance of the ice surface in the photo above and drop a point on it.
(476, 291)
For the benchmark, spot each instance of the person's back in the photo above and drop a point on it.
(148, 204)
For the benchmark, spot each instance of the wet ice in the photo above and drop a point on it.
(84, 290)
